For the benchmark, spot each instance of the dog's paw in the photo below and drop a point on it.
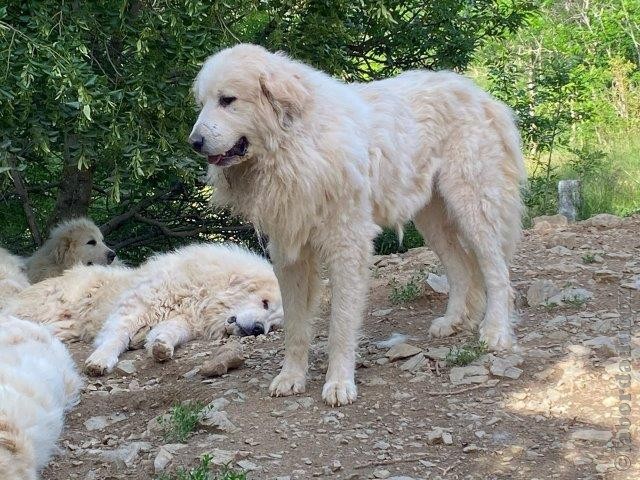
(98, 364)
(161, 351)
(498, 339)
(288, 383)
(442, 327)
(336, 394)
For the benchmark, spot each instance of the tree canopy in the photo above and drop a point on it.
(95, 103)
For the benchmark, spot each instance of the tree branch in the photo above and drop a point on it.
(21, 190)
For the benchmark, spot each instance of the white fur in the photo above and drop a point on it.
(170, 299)
(38, 383)
(12, 276)
(77, 241)
(328, 163)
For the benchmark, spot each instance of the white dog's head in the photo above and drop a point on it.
(79, 241)
(247, 96)
(256, 305)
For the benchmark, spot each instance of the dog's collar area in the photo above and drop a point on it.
(238, 150)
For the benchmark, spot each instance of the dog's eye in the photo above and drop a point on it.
(265, 304)
(91, 242)
(226, 101)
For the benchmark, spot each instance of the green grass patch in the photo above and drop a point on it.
(183, 419)
(588, 258)
(461, 356)
(405, 293)
(203, 472)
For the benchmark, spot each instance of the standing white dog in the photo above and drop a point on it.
(318, 165)
(38, 383)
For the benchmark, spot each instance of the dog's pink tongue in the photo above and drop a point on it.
(214, 159)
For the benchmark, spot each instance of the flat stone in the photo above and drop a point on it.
(569, 295)
(468, 374)
(381, 313)
(438, 283)
(126, 366)
(561, 250)
(437, 353)
(591, 435)
(506, 367)
(218, 420)
(606, 276)
(603, 220)
(402, 350)
(414, 364)
(100, 422)
(540, 291)
(549, 222)
(125, 455)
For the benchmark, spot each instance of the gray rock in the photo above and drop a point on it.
(603, 220)
(222, 457)
(100, 422)
(468, 374)
(540, 291)
(126, 366)
(125, 455)
(549, 222)
(570, 295)
(414, 364)
(402, 350)
(438, 435)
(606, 276)
(560, 250)
(218, 420)
(506, 367)
(381, 313)
(591, 435)
(438, 283)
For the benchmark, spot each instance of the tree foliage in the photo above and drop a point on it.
(95, 105)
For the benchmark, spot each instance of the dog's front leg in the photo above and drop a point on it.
(299, 284)
(349, 271)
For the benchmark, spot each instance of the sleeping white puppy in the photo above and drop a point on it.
(38, 383)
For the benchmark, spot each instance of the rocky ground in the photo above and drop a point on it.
(556, 409)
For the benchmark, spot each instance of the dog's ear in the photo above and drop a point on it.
(63, 247)
(287, 95)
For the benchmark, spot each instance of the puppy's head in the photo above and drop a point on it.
(249, 98)
(260, 310)
(80, 241)
(16, 456)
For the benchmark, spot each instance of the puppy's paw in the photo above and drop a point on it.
(288, 383)
(161, 351)
(98, 364)
(443, 327)
(338, 393)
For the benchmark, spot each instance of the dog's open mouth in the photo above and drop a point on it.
(238, 150)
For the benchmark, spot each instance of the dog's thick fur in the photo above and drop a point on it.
(319, 165)
(38, 383)
(205, 290)
(12, 276)
(70, 243)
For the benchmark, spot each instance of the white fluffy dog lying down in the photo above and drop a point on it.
(319, 166)
(205, 290)
(38, 383)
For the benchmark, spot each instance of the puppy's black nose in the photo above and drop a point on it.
(258, 329)
(111, 255)
(197, 143)
(232, 319)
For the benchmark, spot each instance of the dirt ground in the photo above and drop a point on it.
(557, 411)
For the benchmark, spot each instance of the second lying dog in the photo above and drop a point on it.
(200, 290)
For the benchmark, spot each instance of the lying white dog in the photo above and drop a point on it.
(318, 165)
(205, 290)
(38, 383)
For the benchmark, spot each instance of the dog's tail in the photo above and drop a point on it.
(514, 172)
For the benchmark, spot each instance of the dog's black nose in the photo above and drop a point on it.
(197, 143)
(111, 255)
(232, 319)
(258, 329)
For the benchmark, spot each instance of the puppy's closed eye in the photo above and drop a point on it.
(91, 242)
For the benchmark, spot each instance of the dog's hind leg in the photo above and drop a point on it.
(300, 286)
(166, 336)
(480, 224)
(440, 234)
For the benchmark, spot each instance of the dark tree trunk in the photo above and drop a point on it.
(74, 193)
